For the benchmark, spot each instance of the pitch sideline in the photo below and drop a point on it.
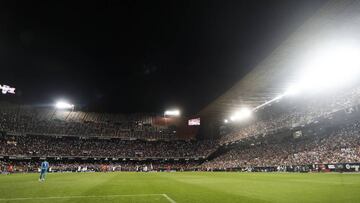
(90, 196)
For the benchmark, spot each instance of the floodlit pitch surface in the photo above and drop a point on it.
(181, 187)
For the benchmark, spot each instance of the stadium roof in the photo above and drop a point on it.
(271, 77)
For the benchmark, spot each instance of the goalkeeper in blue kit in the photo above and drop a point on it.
(43, 169)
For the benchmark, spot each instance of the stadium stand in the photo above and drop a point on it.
(73, 138)
(292, 113)
(79, 147)
(340, 145)
(326, 140)
(17, 119)
(79, 141)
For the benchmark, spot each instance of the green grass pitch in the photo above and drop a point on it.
(183, 187)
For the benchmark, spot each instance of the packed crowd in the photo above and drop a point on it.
(290, 113)
(77, 166)
(40, 120)
(334, 145)
(339, 146)
(41, 146)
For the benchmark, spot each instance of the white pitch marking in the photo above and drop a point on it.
(168, 198)
(100, 196)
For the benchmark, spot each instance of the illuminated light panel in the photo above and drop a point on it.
(244, 113)
(63, 105)
(172, 113)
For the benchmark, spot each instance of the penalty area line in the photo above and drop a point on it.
(86, 196)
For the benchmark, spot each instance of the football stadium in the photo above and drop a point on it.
(90, 110)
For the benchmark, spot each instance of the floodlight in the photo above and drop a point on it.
(226, 121)
(292, 90)
(63, 105)
(172, 113)
(330, 66)
(244, 113)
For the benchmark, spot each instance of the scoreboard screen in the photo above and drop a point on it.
(195, 121)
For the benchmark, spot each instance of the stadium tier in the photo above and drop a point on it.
(292, 113)
(78, 147)
(18, 119)
(317, 145)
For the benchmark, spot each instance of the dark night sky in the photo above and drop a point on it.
(138, 56)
